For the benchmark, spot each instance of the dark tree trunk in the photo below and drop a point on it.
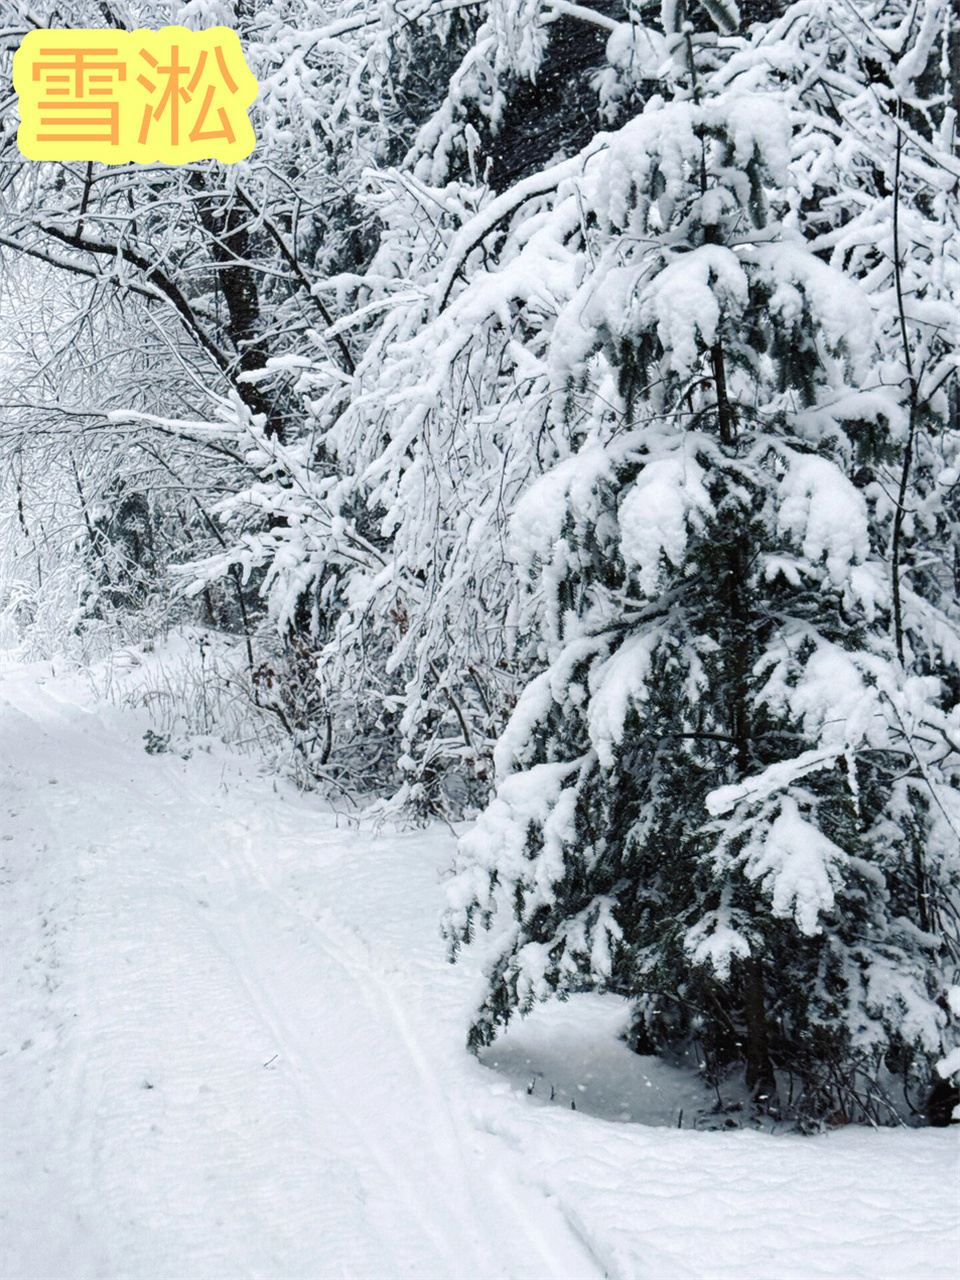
(760, 1078)
(225, 221)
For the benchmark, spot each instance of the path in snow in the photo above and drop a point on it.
(232, 1047)
(212, 1072)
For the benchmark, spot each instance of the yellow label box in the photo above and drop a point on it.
(172, 96)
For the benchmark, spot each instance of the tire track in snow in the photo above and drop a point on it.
(316, 1085)
(451, 1216)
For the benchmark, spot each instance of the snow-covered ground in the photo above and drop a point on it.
(232, 1047)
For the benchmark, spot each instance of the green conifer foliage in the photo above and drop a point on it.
(728, 794)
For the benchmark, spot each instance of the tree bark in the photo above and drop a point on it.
(226, 221)
(760, 1078)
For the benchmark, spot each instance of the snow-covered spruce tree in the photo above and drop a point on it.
(730, 794)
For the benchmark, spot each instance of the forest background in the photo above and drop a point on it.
(553, 426)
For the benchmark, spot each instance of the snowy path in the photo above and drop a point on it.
(227, 1078)
(232, 1047)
